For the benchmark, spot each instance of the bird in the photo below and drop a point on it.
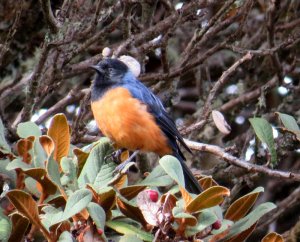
(133, 117)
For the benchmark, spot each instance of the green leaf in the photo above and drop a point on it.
(95, 163)
(128, 229)
(66, 236)
(10, 173)
(130, 238)
(157, 178)
(39, 154)
(31, 186)
(69, 169)
(18, 163)
(173, 168)
(5, 227)
(52, 216)
(263, 130)
(53, 171)
(4, 147)
(76, 203)
(288, 121)
(28, 129)
(205, 219)
(246, 222)
(97, 214)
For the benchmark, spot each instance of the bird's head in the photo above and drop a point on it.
(109, 71)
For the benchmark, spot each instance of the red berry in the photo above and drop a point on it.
(217, 224)
(100, 231)
(153, 195)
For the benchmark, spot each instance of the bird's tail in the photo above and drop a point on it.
(191, 183)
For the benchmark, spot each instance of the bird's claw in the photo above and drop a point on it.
(115, 156)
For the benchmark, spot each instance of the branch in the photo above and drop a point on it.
(216, 150)
(291, 201)
(246, 97)
(73, 96)
(50, 19)
(218, 85)
(26, 112)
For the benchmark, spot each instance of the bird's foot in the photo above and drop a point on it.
(121, 167)
(115, 156)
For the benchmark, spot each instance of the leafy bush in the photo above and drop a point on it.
(64, 193)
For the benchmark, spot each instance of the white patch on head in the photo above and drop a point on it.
(132, 64)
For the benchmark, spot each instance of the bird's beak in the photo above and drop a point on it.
(97, 68)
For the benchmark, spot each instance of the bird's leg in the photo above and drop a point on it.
(120, 167)
(115, 156)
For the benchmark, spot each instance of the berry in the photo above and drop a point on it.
(153, 195)
(217, 224)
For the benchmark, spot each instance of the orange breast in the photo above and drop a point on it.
(126, 121)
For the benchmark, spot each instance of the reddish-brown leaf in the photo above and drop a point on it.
(243, 235)
(60, 134)
(273, 237)
(47, 144)
(131, 191)
(208, 198)
(23, 147)
(241, 206)
(131, 211)
(25, 204)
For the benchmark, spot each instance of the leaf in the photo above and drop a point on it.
(157, 178)
(220, 122)
(246, 222)
(28, 129)
(106, 197)
(130, 238)
(130, 211)
(47, 144)
(173, 168)
(208, 198)
(130, 192)
(81, 158)
(241, 206)
(76, 203)
(205, 219)
(53, 171)
(17, 163)
(273, 237)
(128, 229)
(39, 155)
(207, 182)
(40, 175)
(244, 235)
(97, 214)
(11, 174)
(69, 169)
(66, 236)
(24, 146)
(148, 208)
(96, 171)
(4, 147)
(263, 130)
(186, 218)
(20, 225)
(60, 134)
(288, 121)
(25, 204)
(5, 227)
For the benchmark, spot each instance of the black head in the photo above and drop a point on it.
(109, 71)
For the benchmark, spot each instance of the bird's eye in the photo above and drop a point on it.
(110, 69)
